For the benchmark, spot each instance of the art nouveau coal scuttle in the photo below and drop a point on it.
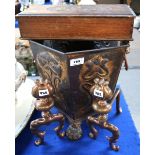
(79, 50)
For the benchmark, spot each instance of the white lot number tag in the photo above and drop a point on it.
(98, 93)
(43, 92)
(78, 61)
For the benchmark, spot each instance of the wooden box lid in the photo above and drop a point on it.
(87, 22)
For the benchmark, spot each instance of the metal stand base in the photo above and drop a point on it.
(74, 131)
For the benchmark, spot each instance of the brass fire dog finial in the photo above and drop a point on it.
(103, 98)
(43, 92)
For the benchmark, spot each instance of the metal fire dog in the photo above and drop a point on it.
(103, 99)
(43, 92)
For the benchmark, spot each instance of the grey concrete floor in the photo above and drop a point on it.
(129, 83)
(130, 80)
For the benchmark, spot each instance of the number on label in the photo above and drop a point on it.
(78, 61)
(43, 92)
(98, 93)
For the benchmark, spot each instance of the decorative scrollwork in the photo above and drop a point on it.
(95, 67)
(50, 69)
(104, 124)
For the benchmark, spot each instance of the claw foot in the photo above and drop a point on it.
(119, 111)
(112, 145)
(38, 142)
(41, 138)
